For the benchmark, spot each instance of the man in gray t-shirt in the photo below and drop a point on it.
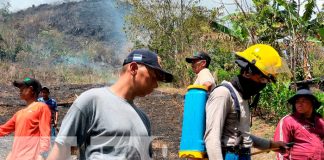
(104, 123)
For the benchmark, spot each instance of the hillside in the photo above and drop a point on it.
(100, 20)
(81, 37)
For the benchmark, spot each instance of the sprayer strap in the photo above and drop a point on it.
(233, 95)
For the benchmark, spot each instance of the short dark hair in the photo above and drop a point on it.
(45, 89)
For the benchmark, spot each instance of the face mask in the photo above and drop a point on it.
(247, 86)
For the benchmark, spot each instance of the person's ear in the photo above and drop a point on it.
(204, 63)
(247, 74)
(133, 67)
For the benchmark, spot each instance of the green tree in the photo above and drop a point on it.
(173, 28)
(271, 21)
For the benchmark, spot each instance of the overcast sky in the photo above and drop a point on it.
(17, 5)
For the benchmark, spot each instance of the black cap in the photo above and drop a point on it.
(150, 59)
(305, 93)
(199, 56)
(29, 82)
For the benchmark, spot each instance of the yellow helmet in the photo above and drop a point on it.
(264, 57)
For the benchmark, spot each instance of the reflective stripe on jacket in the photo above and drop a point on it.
(308, 138)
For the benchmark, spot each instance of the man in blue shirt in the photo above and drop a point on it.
(52, 105)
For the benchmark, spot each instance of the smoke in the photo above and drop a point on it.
(107, 14)
(84, 35)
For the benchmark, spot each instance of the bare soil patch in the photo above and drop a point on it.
(164, 108)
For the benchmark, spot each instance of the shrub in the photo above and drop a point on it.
(274, 101)
(320, 97)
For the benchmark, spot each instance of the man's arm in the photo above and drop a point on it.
(262, 143)
(72, 133)
(56, 112)
(8, 127)
(216, 111)
(208, 85)
(206, 78)
(59, 152)
(55, 119)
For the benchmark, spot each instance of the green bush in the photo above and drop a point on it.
(274, 101)
(320, 97)
(225, 75)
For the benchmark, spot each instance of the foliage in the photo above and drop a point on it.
(4, 11)
(273, 22)
(174, 29)
(222, 59)
(316, 59)
(274, 101)
(320, 97)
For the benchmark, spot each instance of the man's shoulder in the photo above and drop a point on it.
(222, 89)
(205, 71)
(96, 90)
(53, 100)
(288, 118)
(89, 97)
(93, 92)
(41, 106)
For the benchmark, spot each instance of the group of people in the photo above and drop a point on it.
(104, 123)
(298, 136)
(32, 124)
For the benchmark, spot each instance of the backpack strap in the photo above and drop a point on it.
(238, 134)
(233, 95)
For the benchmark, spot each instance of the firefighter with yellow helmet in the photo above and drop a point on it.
(228, 118)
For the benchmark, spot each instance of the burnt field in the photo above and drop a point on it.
(164, 110)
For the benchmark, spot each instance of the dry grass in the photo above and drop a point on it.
(51, 75)
(181, 91)
(264, 130)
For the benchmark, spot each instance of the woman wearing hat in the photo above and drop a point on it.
(304, 127)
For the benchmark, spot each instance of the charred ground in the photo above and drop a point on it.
(164, 110)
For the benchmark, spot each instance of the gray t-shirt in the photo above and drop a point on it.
(105, 126)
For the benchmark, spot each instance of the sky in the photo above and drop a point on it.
(230, 6)
(17, 5)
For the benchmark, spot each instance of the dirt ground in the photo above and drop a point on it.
(164, 108)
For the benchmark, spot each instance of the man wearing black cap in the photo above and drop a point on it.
(304, 127)
(199, 63)
(31, 125)
(104, 123)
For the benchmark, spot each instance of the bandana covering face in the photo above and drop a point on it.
(246, 86)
